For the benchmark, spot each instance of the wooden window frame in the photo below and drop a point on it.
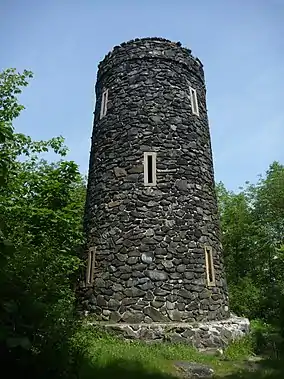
(210, 271)
(154, 169)
(90, 266)
(194, 101)
(103, 110)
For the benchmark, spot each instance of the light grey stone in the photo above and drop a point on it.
(195, 370)
(156, 275)
(147, 258)
(118, 172)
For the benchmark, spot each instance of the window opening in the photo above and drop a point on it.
(209, 266)
(194, 102)
(150, 169)
(91, 266)
(104, 103)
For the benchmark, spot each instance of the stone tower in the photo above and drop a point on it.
(153, 239)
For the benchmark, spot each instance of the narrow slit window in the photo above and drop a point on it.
(104, 103)
(150, 169)
(90, 266)
(210, 272)
(194, 102)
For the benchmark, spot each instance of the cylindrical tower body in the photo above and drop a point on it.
(151, 213)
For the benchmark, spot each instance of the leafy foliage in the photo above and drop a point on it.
(10, 86)
(253, 237)
(41, 208)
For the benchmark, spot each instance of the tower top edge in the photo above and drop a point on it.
(148, 43)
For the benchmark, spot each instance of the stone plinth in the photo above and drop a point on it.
(203, 335)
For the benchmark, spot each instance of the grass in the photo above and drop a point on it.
(93, 353)
(107, 356)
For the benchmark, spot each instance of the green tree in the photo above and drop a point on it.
(10, 86)
(41, 208)
(239, 239)
(252, 224)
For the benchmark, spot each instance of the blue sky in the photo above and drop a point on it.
(240, 42)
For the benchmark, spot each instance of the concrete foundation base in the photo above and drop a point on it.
(202, 335)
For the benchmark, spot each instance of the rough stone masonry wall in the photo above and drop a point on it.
(150, 261)
(203, 335)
